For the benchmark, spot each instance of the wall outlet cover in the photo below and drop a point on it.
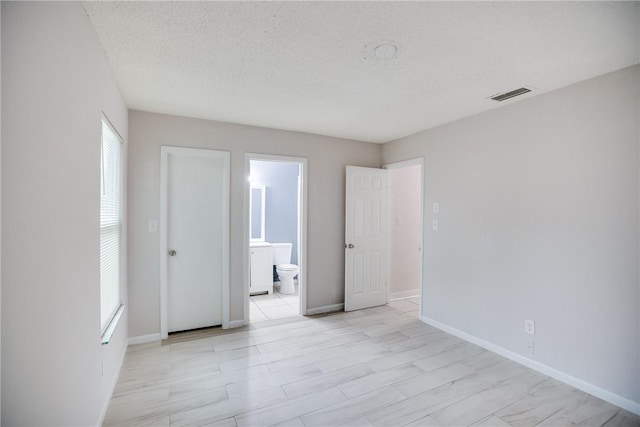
(530, 327)
(531, 347)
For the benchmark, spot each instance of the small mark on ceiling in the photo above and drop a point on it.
(381, 50)
(386, 51)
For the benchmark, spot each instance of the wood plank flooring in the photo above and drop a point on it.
(374, 367)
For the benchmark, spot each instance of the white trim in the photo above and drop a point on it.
(164, 323)
(325, 309)
(403, 164)
(404, 294)
(302, 237)
(302, 227)
(592, 389)
(236, 323)
(246, 240)
(143, 339)
(112, 388)
(111, 326)
(164, 160)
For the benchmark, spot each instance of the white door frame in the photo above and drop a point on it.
(165, 151)
(398, 165)
(302, 226)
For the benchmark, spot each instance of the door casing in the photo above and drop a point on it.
(165, 152)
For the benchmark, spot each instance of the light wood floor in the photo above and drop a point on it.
(379, 366)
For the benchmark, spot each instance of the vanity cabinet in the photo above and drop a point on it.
(261, 263)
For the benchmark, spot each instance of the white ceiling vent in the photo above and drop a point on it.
(511, 94)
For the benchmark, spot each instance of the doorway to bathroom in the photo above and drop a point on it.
(275, 243)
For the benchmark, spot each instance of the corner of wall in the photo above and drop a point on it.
(0, 216)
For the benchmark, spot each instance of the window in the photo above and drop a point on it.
(110, 224)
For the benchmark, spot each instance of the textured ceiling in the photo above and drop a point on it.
(312, 66)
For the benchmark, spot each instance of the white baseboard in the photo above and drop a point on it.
(404, 294)
(236, 323)
(325, 309)
(592, 389)
(143, 339)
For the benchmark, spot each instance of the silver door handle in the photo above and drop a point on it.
(172, 252)
(350, 246)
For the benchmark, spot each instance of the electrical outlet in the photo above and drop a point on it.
(435, 207)
(530, 327)
(531, 347)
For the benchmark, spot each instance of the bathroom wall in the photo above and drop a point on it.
(538, 219)
(281, 207)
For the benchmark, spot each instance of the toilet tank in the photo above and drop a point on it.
(282, 253)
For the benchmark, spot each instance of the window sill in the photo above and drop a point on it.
(106, 335)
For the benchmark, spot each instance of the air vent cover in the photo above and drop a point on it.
(511, 94)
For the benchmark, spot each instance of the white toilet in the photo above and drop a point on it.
(286, 271)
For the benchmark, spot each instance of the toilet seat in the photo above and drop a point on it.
(286, 267)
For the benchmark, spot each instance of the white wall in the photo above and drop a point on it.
(326, 171)
(55, 85)
(539, 219)
(0, 223)
(404, 235)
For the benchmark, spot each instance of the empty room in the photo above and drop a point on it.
(320, 213)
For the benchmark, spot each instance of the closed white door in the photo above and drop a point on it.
(195, 203)
(365, 238)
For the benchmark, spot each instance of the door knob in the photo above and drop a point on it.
(350, 246)
(172, 253)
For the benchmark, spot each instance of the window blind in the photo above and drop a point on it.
(110, 223)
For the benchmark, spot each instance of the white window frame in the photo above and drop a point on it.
(108, 328)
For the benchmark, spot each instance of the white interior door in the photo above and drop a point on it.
(365, 238)
(195, 231)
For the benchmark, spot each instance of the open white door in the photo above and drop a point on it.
(365, 238)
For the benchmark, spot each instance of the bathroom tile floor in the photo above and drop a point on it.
(379, 366)
(274, 306)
